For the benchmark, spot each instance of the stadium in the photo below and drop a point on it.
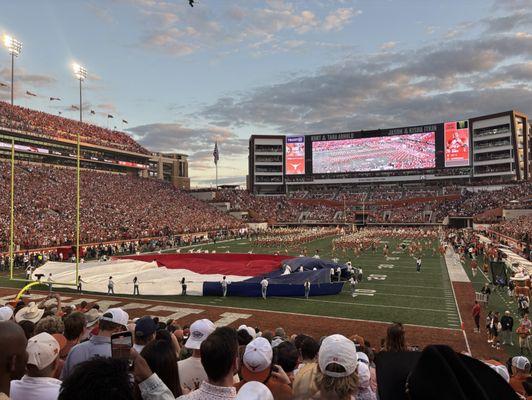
(352, 264)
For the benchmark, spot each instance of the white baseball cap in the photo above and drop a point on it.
(199, 331)
(256, 360)
(337, 349)
(6, 313)
(520, 362)
(42, 350)
(118, 316)
(254, 390)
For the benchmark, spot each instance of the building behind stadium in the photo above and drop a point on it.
(492, 148)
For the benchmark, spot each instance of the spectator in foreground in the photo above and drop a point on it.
(113, 321)
(287, 357)
(191, 370)
(162, 360)
(98, 379)
(75, 326)
(219, 357)
(254, 391)
(257, 366)
(6, 313)
(38, 382)
(337, 361)
(395, 338)
(520, 373)
(145, 328)
(13, 356)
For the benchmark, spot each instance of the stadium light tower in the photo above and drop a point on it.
(14, 47)
(81, 74)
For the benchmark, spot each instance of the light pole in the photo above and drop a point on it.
(81, 74)
(14, 47)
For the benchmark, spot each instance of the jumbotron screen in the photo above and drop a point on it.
(380, 153)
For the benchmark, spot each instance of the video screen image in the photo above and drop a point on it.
(456, 144)
(295, 155)
(384, 153)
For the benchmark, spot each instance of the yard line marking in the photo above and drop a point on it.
(393, 284)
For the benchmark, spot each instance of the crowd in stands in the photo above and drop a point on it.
(519, 228)
(113, 207)
(51, 351)
(56, 127)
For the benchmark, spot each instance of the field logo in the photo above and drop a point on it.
(385, 266)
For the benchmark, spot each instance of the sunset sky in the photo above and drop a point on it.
(184, 77)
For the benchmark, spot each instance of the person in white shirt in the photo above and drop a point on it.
(110, 286)
(191, 371)
(307, 288)
(50, 281)
(225, 283)
(43, 353)
(353, 283)
(264, 286)
(339, 273)
(418, 264)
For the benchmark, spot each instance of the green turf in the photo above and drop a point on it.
(407, 296)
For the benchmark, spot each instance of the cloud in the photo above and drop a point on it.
(258, 28)
(337, 19)
(33, 80)
(389, 89)
(520, 19)
(198, 143)
(388, 45)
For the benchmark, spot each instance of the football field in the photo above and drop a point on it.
(391, 291)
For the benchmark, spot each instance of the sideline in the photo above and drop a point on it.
(456, 301)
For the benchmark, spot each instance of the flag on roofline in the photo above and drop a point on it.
(59, 112)
(55, 98)
(109, 116)
(215, 153)
(3, 84)
(124, 121)
(74, 107)
(30, 93)
(93, 112)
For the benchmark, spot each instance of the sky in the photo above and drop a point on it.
(183, 77)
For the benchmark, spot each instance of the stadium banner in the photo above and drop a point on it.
(295, 155)
(19, 147)
(456, 144)
(395, 149)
